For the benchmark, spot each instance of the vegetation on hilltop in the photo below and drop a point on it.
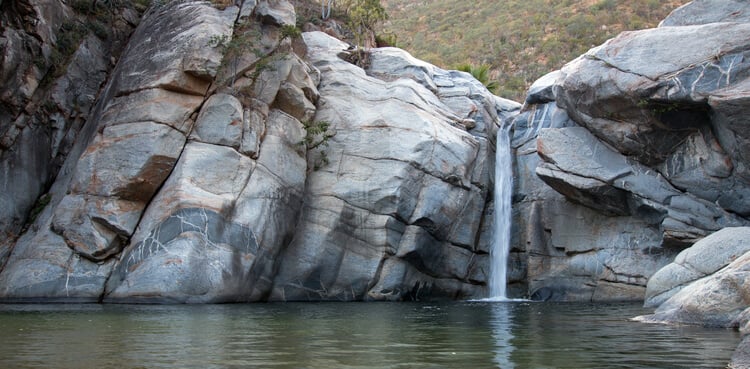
(520, 40)
(356, 21)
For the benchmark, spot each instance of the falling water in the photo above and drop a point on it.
(501, 227)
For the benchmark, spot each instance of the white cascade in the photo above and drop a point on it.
(501, 225)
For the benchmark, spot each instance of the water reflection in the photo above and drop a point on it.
(501, 323)
(351, 335)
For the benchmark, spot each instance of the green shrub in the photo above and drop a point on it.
(244, 39)
(39, 206)
(82, 6)
(481, 73)
(222, 4)
(363, 18)
(290, 31)
(606, 5)
(69, 37)
(524, 39)
(99, 29)
(316, 137)
(387, 39)
(141, 5)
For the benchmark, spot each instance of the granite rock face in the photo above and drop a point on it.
(707, 284)
(705, 258)
(395, 210)
(642, 141)
(221, 161)
(208, 172)
(53, 69)
(128, 148)
(709, 11)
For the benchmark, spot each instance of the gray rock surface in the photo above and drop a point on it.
(202, 177)
(658, 111)
(142, 130)
(706, 257)
(51, 74)
(708, 11)
(398, 221)
(741, 356)
(707, 285)
(278, 12)
(196, 174)
(645, 129)
(125, 151)
(717, 300)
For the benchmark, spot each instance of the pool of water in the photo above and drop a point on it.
(352, 335)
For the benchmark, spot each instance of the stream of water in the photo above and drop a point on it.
(352, 335)
(501, 227)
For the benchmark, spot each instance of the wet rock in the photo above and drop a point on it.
(741, 356)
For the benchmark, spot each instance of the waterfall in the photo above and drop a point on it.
(501, 225)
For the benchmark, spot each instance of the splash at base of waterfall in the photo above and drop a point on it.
(500, 299)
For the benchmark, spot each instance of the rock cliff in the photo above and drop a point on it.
(55, 63)
(223, 159)
(631, 153)
(200, 152)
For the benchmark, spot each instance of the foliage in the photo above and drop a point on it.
(69, 37)
(97, 17)
(39, 206)
(387, 39)
(520, 40)
(82, 6)
(222, 4)
(242, 40)
(364, 16)
(141, 5)
(316, 137)
(290, 31)
(99, 29)
(362, 20)
(481, 73)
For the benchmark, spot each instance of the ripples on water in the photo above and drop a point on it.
(352, 335)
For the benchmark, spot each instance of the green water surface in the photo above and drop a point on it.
(352, 335)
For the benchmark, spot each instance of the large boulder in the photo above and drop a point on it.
(645, 130)
(676, 111)
(708, 11)
(394, 210)
(741, 356)
(577, 236)
(706, 257)
(717, 300)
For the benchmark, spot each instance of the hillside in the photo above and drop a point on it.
(520, 39)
